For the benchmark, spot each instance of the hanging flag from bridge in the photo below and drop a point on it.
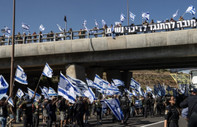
(20, 76)
(48, 72)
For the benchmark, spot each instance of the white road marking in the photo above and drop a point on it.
(153, 124)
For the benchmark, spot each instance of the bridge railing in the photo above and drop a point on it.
(94, 33)
(38, 38)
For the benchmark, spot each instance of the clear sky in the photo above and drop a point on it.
(52, 12)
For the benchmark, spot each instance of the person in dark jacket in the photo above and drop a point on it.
(191, 103)
(3, 111)
(171, 114)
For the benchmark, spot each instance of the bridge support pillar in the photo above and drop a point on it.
(76, 71)
(126, 77)
(90, 72)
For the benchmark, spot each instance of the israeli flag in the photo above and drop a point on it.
(132, 16)
(52, 92)
(146, 15)
(90, 94)
(3, 87)
(7, 30)
(80, 84)
(128, 92)
(191, 10)
(25, 26)
(96, 24)
(20, 76)
(60, 28)
(134, 84)
(141, 91)
(122, 18)
(134, 93)
(31, 94)
(114, 105)
(90, 83)
(175, 14)
(41, 28)
(99, 82)
(103, 22)
(48, 72)
(118, 82)
(65, 89)
(10, 101)
(148, 89)
(44, 93)
(19, 93)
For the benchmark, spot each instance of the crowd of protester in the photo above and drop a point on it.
(59, 112)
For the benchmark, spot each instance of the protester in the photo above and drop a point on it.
(3, 111)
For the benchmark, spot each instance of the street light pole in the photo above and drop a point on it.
(12, 51)
(128, 12)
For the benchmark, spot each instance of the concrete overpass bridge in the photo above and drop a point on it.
(171, 49)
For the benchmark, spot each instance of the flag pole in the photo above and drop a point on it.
(12, 50)
(37, 85)
(128, 12)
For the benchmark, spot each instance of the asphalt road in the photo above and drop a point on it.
(132, 122)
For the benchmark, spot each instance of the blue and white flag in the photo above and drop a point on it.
(175, 14)
(52, 92)
(132, 16)
(134, 84)
(103, 22)
(20, 76)
(60, 28)
(80, 84)
(66, 90)
(19, 93)
(3, 87)
(84, 25)
(134, 93)
(146, 15)
(141, 91)
(99, 82)
(44, 93)
(25, 26)
(122, 18)
(48, 72)
(11, 102)
(128, 92)
(41, 28)
(31, 94)
(118, 82)
(114, 105)
(7, 30)
(96, 24)
(90, 94)
(90, 83)
(191, 10)
(148, 89)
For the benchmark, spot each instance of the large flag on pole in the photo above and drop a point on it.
(191, 10)
(65, 89)
(3, 87)
(48, 72)
(19, 93)
(114, 105)
(20, 76)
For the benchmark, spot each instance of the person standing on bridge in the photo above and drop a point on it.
(191, 103)
(171, 114)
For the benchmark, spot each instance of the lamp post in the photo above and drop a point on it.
(12, 51)
(128, 12)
